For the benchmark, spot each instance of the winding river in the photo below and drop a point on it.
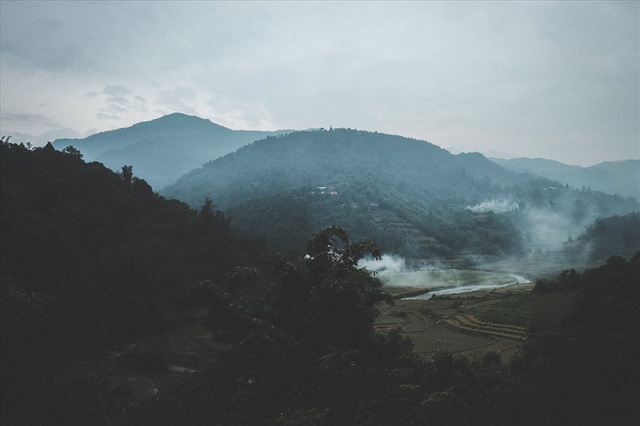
(469, 288)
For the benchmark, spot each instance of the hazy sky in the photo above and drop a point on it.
(555, 80)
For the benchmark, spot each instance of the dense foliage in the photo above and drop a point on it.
(306, 354)
(90, 259)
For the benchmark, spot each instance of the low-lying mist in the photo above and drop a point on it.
(386, 264)
(547, 225)
(495, 205)
(395, 271)
(548, 230)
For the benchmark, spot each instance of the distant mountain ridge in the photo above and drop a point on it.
(612, 177)
(315, 158)
(377, 186)
(163, 149)
(410, 196)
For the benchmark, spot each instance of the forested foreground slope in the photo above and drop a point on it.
(90, 258)
(102, 244)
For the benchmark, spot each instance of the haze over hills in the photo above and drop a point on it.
(336, 157)
(411, 196)
(612, 177)
(163, 149)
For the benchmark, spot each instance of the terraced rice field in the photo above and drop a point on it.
(455, 322)
(470, 323)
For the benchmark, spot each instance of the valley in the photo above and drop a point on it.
(471, 312)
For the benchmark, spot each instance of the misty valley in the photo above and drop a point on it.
(180, 272)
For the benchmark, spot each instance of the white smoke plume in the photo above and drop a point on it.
(497, 206)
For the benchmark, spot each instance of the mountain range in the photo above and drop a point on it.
(163, 149)
(612, 177)
(411, 196)
(417, 198)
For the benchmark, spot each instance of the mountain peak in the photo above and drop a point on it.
(181, 118)
(162, 149)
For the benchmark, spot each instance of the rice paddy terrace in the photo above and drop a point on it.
(489, 312)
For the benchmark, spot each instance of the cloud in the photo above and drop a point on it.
(116, 90)
(120, 100)
(236, 114)
(29, 119)
(104, 116)
(178, 99)
(538, 79)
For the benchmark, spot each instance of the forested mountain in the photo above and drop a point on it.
(340, 157)
(163, 149)
(612, 177)
(410, 196)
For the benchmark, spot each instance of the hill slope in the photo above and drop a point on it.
(339, 157)
(376, 186)
(410, 196)
(612, 177)
(163, 149)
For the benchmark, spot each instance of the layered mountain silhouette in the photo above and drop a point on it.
(612, 177)
(409, 195)
(163, 149)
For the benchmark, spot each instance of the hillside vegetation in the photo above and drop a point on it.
(411, 197)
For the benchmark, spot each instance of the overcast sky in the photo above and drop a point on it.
(555, 80)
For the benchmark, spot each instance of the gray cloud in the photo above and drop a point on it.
(118, 100)
(116, 90)
(178, 99)
(105, 116)
(547, 79)
(31, 119)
